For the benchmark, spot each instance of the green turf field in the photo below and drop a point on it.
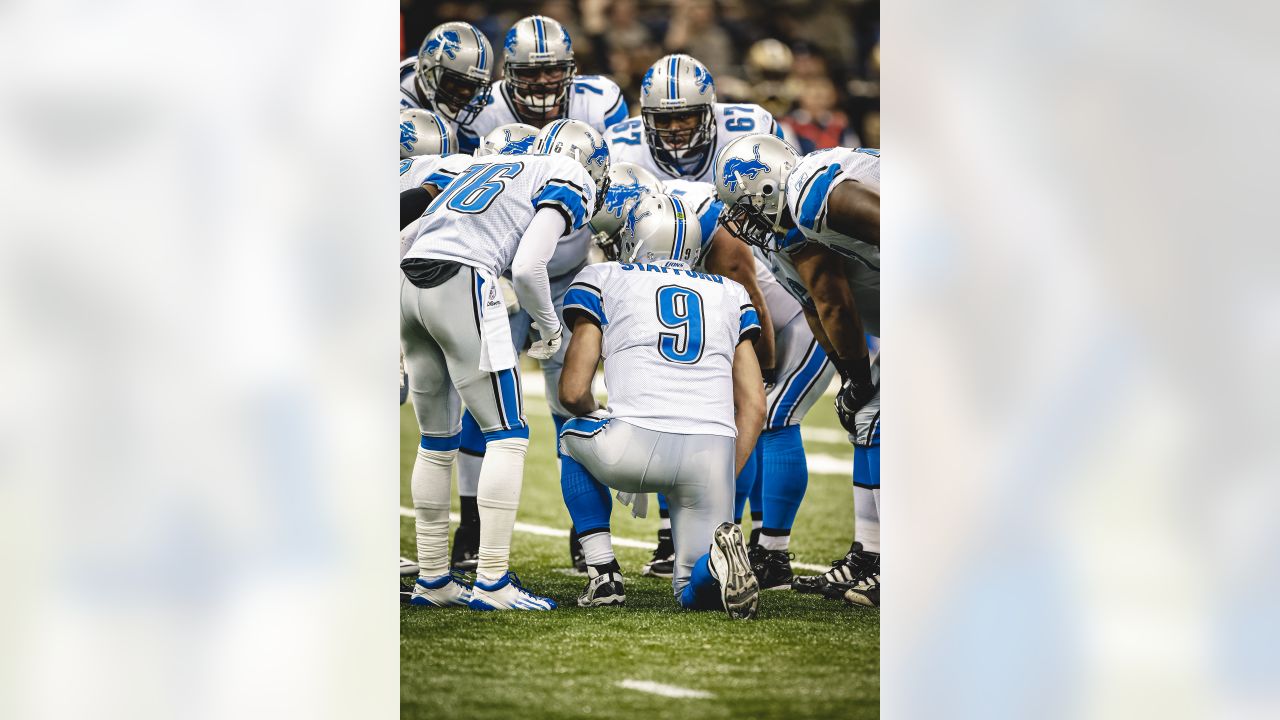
(802, 657)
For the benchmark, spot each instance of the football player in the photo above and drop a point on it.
(676, 138)
(539, 86)
(801, 211)
(450, 76)
(540, 83)
(667, 333)
(681, 126)
(500, 212)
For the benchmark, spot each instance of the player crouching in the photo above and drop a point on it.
(683, 382)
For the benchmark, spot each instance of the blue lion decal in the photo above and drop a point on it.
(647, 83)
(510, 42)
(703, 78)
(405, 164)
(408, 136)
(632, 219)
(599, 154)
(746, 168)
(615, 201)
(517, 147)
(448, 41)
(568, 44)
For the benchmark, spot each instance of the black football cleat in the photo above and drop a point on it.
(466, 548)
(844, 574)
(604, 588)
(576, 556)
(663, 562)
(772, 569)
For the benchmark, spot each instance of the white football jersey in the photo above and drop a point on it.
(468, 141)
(670, 334)
(627, 142)
(479, 218)
(436, 169)
(812, 181)
(595, 100)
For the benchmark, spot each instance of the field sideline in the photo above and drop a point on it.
(803, 657)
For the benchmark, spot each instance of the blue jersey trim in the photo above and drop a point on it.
(438, 179)
(707, 220)
(618, 115)
(799, 385)
(555, 194)
(582, 299)
(812, 202)
(441, 444)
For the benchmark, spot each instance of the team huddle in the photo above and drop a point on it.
(738, 279)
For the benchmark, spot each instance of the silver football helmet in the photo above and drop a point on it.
(750, 176)
(677, 106)
(539, 68)
(660, 228)
(627, 184)
(579, 141)
(422, 132)
(509, 139)
(454, 66)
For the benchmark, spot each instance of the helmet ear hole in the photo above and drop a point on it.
(767, 187)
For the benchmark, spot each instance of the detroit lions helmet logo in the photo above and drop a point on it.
(749, 168)
(447, 42)
(408, 136)
(568, 44)
(615, 201)
(647, 83)
(517, 147)
(510, 42)
(405, 164)
(703, 79)
(632, 219)
(599, 154)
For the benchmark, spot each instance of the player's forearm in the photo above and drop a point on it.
(748, 404)
(819, 333)
(529, 269)
(580, 361)
(730, 257)
(822, 272)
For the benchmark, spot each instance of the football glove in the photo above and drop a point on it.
(853, 396)
(546, 347)
(770, 376)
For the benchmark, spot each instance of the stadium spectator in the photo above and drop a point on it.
(694, 31)
(817, 123)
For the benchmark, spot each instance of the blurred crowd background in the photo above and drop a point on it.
(814, 64)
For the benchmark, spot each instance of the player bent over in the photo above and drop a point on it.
(683, 382)
(500, 212)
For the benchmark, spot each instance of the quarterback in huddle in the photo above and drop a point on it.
(734, 271)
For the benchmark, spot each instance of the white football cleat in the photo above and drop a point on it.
(408, 568)
(739, 589)
(444, 591)
(506, 593)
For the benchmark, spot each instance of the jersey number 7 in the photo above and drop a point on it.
(680, 309)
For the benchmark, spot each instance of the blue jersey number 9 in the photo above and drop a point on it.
(474, 190)
(680, 309)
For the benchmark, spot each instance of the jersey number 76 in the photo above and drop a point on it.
(474, 190)
(680, 309)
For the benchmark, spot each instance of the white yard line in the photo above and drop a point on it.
(657, 688)
(618, 541)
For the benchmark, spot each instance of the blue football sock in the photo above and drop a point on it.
(702, 592)
(584, 496)
(786, 476)
(757, 485)
(742, 485)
